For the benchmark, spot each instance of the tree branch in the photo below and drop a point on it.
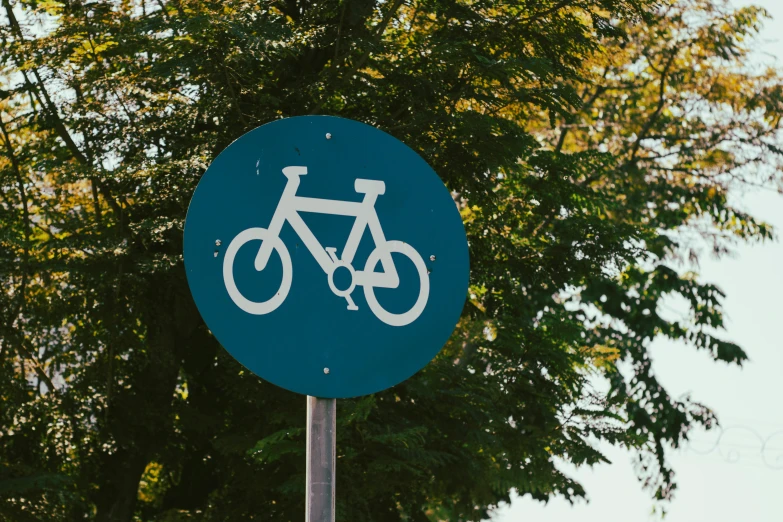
(560, 5)
(587, 105)
(661, 104)
(379, 30)
(26, 221)
(51, 109)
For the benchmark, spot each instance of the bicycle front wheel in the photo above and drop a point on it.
(424, 284)
(271, 304)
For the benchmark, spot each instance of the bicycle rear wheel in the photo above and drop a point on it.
(411, 315)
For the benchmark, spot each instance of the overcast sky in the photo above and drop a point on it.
(736, 481)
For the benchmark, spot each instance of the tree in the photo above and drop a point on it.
(588, 142)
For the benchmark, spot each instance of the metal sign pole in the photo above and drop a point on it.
(321, 444)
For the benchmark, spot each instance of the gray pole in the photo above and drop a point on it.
(321, 443)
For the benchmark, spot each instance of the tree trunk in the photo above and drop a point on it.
(140, 418)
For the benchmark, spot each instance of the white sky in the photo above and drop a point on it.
(731, 483)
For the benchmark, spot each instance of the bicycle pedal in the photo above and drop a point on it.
(351, 304)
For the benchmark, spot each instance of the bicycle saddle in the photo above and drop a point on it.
(369, 186)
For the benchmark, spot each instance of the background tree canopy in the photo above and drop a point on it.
(591, 145)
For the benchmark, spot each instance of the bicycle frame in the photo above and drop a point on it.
(291, 205)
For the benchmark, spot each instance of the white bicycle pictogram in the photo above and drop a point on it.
(288, 209)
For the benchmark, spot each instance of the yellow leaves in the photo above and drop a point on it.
(182, 390)
(90, 47)
(150, 487)
(51, 7)
(469, 214)
(476, 297)
(98, 49)
(604, 357)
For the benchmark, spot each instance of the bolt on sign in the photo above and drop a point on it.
(328, 258)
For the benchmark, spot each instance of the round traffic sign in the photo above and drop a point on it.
(326, 256)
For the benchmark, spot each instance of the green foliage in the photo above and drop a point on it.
(591, 146)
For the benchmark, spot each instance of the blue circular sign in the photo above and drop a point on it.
(326, 256)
